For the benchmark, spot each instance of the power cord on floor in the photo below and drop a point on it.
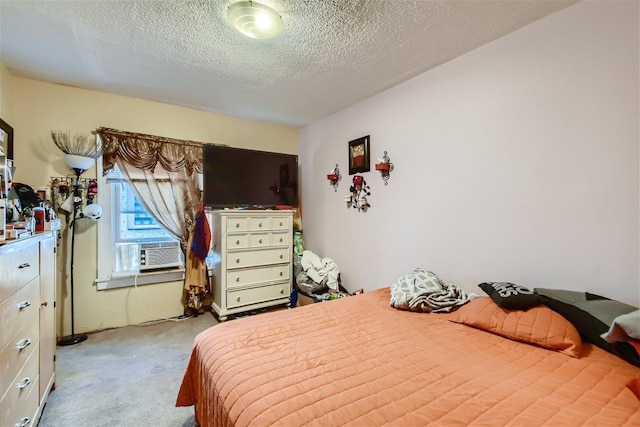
(164, 319)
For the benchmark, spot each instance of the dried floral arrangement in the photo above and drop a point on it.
(79, 144)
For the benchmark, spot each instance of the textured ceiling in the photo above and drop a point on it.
(330, 55)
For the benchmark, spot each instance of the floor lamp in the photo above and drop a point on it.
(79, 164)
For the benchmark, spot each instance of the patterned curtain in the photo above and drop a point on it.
(163, 173)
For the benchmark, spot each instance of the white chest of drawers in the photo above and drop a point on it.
(27, 328)
(252, 260)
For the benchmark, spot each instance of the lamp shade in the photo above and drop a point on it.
(254, 20)
(79, 162)
(92, 211)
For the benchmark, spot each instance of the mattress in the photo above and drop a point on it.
(358, 361)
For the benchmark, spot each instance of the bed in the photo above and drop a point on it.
(359, 361)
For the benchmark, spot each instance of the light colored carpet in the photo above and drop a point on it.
(125, 377)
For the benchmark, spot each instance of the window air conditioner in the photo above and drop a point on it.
(160, 255)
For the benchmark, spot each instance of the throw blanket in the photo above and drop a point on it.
(423, 291)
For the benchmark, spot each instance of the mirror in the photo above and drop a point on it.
(6, 139)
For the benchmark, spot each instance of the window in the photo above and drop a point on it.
(131, 244)
(134, 222)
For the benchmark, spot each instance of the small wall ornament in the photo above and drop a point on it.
(385, 167)
(334, 177)
(359, 193)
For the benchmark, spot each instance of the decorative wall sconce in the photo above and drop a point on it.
(385, 167)
(359, 193)
(62, 190)
(334, 177)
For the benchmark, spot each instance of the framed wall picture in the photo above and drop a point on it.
(6, 139)
(359, 155)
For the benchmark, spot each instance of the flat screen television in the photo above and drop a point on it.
(242, 178)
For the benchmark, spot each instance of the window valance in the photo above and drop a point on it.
(146, 151)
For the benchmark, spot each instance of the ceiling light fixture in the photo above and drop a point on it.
(254, 20)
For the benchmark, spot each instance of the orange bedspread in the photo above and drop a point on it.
(358, 361)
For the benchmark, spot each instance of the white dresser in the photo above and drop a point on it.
(252, 255)
(27, 328)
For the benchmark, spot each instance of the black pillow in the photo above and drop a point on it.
(592, 315)
(511, 296)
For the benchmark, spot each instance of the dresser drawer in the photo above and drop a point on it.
(278, 239)
(252, 276)
(21, 399)
(20, 412)
(238, 224)
(19, 310)
(256, 295)
(260, 240)
(19, 263)
(258, 257)
(238, 241)
(281, 223)
(259, 223)
(16, 353)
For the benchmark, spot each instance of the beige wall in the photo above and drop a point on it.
(35, 108)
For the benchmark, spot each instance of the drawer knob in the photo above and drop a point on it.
(281, 240)
(44, 304)
(23, 383)
(238, 299)
(24, 343)
(24, 422)
(281, 273)
(281, 256)
(25, 265)
(280, 223)
(260, 225)
(260, 241)
(237, 225)
(237, 242)
(237, 280)
(237, 260)
(282, 291)
(23, 304)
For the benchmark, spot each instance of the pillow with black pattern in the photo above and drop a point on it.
(592, 315)
(511, 296)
